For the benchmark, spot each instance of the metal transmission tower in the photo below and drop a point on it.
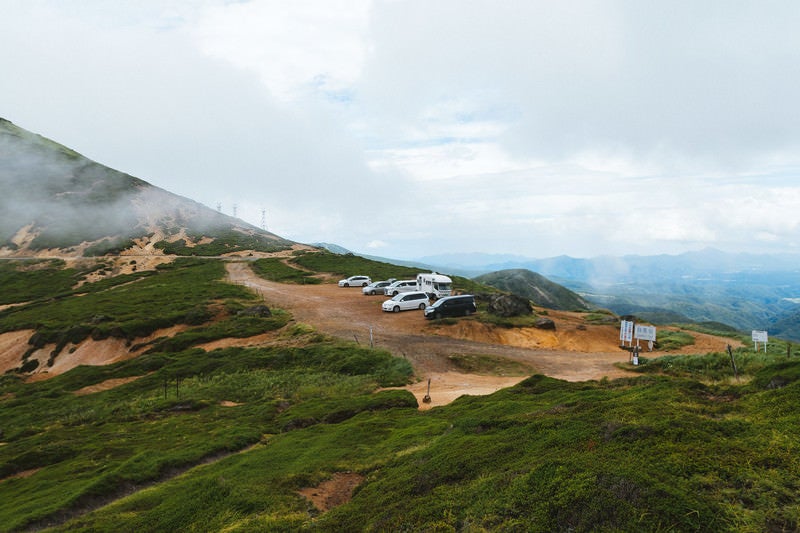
(219, 207)
(234, 210)
(264, 219)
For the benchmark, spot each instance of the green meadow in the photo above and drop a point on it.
(225, 440)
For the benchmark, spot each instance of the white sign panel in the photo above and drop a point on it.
(759, 336)
(626, 331)
(645, 333)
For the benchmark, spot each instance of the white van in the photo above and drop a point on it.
(406, 301)
(403, 285)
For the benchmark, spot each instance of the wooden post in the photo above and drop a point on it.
(733, 362)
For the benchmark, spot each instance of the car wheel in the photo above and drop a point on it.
(396, 309)
(422, 306)
(394, 293)
(346, 284)
(364, 284)
(437, 315)
(466, 312)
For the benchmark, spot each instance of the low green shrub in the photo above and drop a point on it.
(274, 269)
(672, 340)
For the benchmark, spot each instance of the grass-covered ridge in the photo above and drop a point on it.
(77, 451)
(683, 447)
(351, 265)
(641, 454)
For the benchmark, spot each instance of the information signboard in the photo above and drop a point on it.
(645, 333)
(760, 336)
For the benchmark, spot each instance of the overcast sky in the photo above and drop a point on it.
(411, 128)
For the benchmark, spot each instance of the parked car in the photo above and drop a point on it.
(449, 306)
(406, 301)
(376, 287)
(403, 285)
(355, 281)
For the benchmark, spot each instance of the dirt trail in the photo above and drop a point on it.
(346, 313)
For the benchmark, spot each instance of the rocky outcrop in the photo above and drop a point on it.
(508, 305)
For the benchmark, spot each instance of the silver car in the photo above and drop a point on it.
(376, 287)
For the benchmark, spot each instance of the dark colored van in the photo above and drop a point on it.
(462, 305)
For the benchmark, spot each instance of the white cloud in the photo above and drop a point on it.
(295, 47)
(415, 127)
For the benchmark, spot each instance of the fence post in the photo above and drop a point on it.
(733, 362)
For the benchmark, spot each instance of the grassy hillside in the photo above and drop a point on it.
(536, 288)
(225, 440)
(350, 265)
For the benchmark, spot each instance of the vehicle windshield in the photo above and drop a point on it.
(398, 297)
(441, 286)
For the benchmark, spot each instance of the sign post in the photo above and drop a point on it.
(626, 331)
(762, 337)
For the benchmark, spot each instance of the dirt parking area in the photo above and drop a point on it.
(575, 351)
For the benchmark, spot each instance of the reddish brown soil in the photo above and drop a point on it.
(336, 491)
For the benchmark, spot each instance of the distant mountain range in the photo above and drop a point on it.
(57, 202)
(746, 291)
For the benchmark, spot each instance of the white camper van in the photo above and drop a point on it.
(435, 285)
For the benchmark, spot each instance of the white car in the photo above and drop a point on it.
(406, 301)
(403, 285)
(355, 281)
(376, 287)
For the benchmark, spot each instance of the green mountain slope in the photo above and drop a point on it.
(535, 287)
(227, 439)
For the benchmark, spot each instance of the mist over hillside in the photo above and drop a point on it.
(58, 200)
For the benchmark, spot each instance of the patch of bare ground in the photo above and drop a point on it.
(333, 492)
(447, 386)
(23, 474)
(13, 346)
(105, 385)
